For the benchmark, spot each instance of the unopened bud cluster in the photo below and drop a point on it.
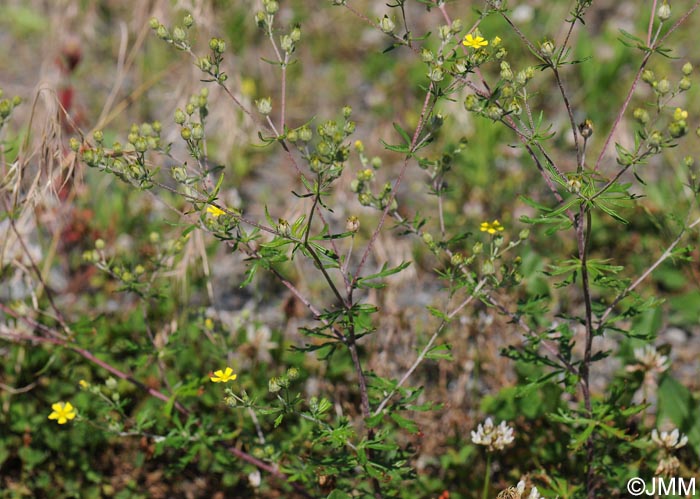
(512, 94)
(6, 107)
(178, 36)
(191, 121)
(277, 383)
(362, 184)
(128, 162)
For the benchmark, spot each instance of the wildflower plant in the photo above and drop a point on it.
(322, 412)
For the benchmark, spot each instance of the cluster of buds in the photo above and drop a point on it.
(265, 17)
(668, 441)
(128, 163)
(512, 94)
(277, 383)
(362, 184)
(178, 36)
(191, 128)
(328, 157)
(518, 492)
(7, 106)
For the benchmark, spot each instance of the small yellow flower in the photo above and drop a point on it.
(84, 384)
(223, 376)
(475, 42)
(62, 412)
(680, 114)
(359, 146)
(492, 227)
(215, 212)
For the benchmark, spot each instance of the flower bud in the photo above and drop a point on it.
(494, 112)
(547, 49)
(655, 138)
(264, 105)
(684, 83)
(287, 44)
(586, 129)
(154, 23)
(426, 55)
(188, 21)
(648, 76)
(197, 131)
(260, 18)
(506, 72)
(352, 224)
(305, 134)
(386, 24)
(478, 248)
(295, 34)
(162, 32)
(444, 32)
(436, 74)
(456, 26)
(470, 102)
(117, 149)
(663, 86)
(347, 111)
(179, 174)
(272, 7)
(179, 34)
(186, 133)
(687, 69)
(179, 116)
(641, 116)
(141, 145)
(292, 135)
(74, 144)
(664, 11)
(189, 108)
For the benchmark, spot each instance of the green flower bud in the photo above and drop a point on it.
(478, 248)
(157, 126)
(386, 24)
(141, 145)
(89, 157)
(162, 32)
(188, 21)
(678, 129)
(355, 185)
(427, 238)
(287, 44)
(5, 108)
(132, 137)
(524, 234)
(292, 373)
(663, 86)
(292, 136)
(347, 111)
(16, 101)
(98, 136)
(456, 259)
(139, 269)
(364, 199)
(688, 161)
(426, 55)
(264, 105)
(648, 76)
(179, 34)
(127, 276)
(204, 64)
(99, 244)
(487, 268)
(655, 139)
(260, 18)
(349, 128)
(146, 129)
(179, 116)
(687, 69)
(186, 133)
(586, 129)
(444, 32)
(494, 112)
(436, 74)
(376, 162)
(153, 143)
(272, 7)
(189, 108)
(641, 116)
(117, 148)
(460, 67)
(685, 83)
(179, 173)
(154, 23)
(74, 144)
(506, 72)
(305, 134)
(470, 102)
(456, 26)
(197, 131)
(214, 44)
(295, 34)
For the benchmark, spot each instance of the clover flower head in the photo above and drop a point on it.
(493, 437)
(649, 360)
(669, 440)
(475, 42)
(62, 412)
(491, 227)
(215, 211)
(223, 375)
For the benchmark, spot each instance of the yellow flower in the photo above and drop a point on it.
(84, 384)
(492, 227)
(223, 376)
(215, 212)
(62, 412)
(475, 42)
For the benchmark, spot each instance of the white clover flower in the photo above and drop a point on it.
(649, 360)
(669, 440)
(493, 437)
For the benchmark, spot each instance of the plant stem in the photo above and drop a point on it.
(487, 477)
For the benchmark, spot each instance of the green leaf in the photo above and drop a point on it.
(404, 423)
(385, 272)
(440, 352)
(338, 494)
